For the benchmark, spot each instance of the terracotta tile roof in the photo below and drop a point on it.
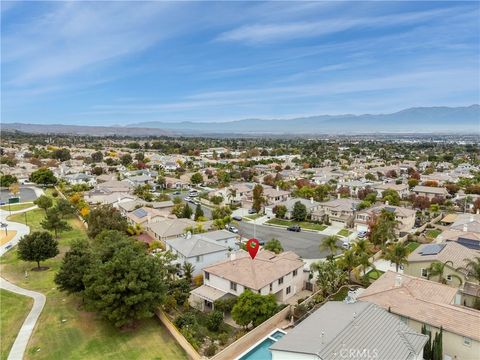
(258, 273)
(426, 301)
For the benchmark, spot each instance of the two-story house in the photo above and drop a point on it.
(268, 273)
(404, 216)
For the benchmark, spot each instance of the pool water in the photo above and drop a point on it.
(261, 352)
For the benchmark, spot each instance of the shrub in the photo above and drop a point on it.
(210, 350)
(223, 338)
(185, 319)
(198, 280)
(214, 320)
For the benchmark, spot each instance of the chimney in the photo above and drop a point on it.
(398, 280)
(311, 200)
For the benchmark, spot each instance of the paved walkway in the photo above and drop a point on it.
(19, 346)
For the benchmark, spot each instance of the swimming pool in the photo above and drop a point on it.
(260, 350)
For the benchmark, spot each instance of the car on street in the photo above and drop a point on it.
(231, 228)
(237, 218)
(362, 234)
(3, 203)
(294, 228)
(193, 193)
(251, 211)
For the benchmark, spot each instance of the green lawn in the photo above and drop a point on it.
(15, 207)
(411, 246)
(433, 233)
(15, 309)
(341, 295)
(374, 274)
(65, 330)
(253, 217)
(344, 232)
(302, 224)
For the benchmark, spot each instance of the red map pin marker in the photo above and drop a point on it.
(252, 247)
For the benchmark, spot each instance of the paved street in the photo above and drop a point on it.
(305, 244)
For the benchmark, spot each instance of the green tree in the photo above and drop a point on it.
(196, 179)
(43, 176)
(186, 212)
(75, 265)
(214, 320)
(126, 286)
(274, 245)
(37, 246)
(427, 349)
(280, 211)
(44, 202)
(472, 268)
(349, 261)
(258, 198)
(105, 217)
(437, 269)
(64, 208)
(7, 180)
(188, 270)
(299, 212)
(126, 159)
(54, 222)
(221, 212)
(382, 228)
(198, 212)
(330, 277)
(97, 156)
(397, 253)
(370, 177)
(329, 243)
(391, 196)
(61, 154)
(252, 308)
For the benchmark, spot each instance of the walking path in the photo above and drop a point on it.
(19, 346)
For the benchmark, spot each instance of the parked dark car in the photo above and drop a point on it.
(294, 228)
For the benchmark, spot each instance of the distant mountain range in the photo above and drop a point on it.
(421, 119)
(464, 119)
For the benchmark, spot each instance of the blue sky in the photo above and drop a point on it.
(100, 63)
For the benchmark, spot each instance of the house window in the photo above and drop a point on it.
(289, 290)
(280, 281)
(449, 277)
(424, 273)
(207, 276)
(467, 341)
(271, 286)
(233, 286)
(295, 272)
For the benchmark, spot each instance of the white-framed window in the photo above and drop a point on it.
(233, 286)
(280, 281)
(288, 290)
(295, 272)
(424, 272)
(467, 341)
(207, 276)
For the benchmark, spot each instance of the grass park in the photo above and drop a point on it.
(16, 207)
(65, 330)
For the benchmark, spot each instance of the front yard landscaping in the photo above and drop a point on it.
(374, 274)
(411, 246)
(65, 330)
(15, 207)
(433, 233)
(303, 224)
(344, 232)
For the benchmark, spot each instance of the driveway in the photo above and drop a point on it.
(19, 346)
(305, 244)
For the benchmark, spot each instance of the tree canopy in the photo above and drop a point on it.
(105, 217)
(43, 176)
(37, 246)
(252, 308)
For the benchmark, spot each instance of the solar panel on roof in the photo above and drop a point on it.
(140, 213)
(469, 243)
(432, 249)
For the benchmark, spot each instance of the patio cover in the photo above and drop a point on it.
(208, 293)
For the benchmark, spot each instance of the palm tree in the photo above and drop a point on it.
(232, 193)
(330, 243)
(349, 261)
(363, 246)
(472, 268)
(396, 253)
(188, 270)
(437, 268)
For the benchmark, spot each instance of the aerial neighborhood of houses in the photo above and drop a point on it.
(367, 250)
